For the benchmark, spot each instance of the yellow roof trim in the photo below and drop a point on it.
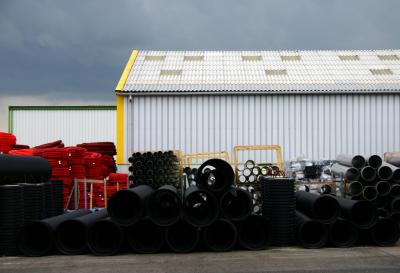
(127, 70)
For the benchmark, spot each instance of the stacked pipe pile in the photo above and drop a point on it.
(154, 169)
(7, 141)
(371, 179)
(250, 173)
(107, 151)
(114, 183)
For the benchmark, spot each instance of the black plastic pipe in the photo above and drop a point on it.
(395, 215)
(182, 237)
(395, 204)
(105, 237)
(126, 207)
(164, 206)
(145, 237)
(200, 207)
(343, 233)
(395, 171)
(368, 174)
(355, 189)
(362, 213)
(395, 191)
(350, 173)
(383, 188)
(384, 172)
(310, 233)
(37, 237)
(215, 175)
(255, 233)
(16, 167)
(324, 208)
(71, 234)
(236, 204)
(370, 193)
(385, 232)
(356, 161)
(221, 235)
(383, 213)
(375, 161)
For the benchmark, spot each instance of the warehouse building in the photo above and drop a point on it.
(312, 103)
(35, 125)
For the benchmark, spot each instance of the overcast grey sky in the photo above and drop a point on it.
(76, 49)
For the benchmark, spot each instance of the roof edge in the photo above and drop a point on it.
(62, 107)
(127, 70)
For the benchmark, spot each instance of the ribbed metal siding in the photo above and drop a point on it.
(34, 127)
(316, 126)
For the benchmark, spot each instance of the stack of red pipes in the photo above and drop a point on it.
(7, 141)
(107, 150)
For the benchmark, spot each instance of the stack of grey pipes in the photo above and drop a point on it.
(370, 178)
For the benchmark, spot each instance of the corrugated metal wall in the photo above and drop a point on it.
(316, 126)
(34, 127)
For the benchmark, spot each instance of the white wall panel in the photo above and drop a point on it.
(316, 126)
(34, 127)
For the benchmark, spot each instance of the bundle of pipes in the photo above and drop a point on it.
(250, 172)
(371, 179)
(154, 169)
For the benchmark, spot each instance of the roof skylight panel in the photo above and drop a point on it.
(349, 57)
(389, 57)
(382, 71)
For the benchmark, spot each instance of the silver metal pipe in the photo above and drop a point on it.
(350, 173)
(357, 161)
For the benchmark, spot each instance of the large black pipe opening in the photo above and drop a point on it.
(395, 191)
(145, 237)
(236, 204)
(221, 235)
(368, 174)
(164, 206)
(105, 238)
(71, 235)
(395, 204)
(310, 233)
(324, 208)
(215, 175)
(383, 188)
(370, 193)
(343, 233)
(375, 161)
(182, 237)
(200, 207)
(385, 232)
(385, 173)
(355, 188)
(362, 213)
(37, 237)
(126, 207)
(255, 233)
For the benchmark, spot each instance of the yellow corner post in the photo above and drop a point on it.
(121, 108)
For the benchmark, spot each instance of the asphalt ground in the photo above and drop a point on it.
(288, 259)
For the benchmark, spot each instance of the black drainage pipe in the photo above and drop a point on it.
(236, 204)
(126, 207)
(395, 172)
(145, 237)
(324, 208)
(375, 161)
(395, 191)
(383, 188)
(368, 174)
(221, 235)
(385, 232)
(37, 237)
(395, 204)
(361, 212)
(310, 233)
(383, 213)
(370, 193)
(355, 189)
(343, 233)
(255, 233)
(350, 173)
(164, 206)
(182, 237)
(71, 234)
(200, 207)
(215, 175)
(385, 172)
(105, 238)
(357, 161)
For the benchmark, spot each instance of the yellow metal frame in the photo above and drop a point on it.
(222, 155)
(276, 148)
(121, 109)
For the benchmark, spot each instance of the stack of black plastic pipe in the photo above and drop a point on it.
(154, 169)
(371, 179)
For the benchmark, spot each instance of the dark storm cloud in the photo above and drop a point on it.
(77, 48)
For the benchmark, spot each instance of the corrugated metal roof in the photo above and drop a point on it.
(250, 71)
